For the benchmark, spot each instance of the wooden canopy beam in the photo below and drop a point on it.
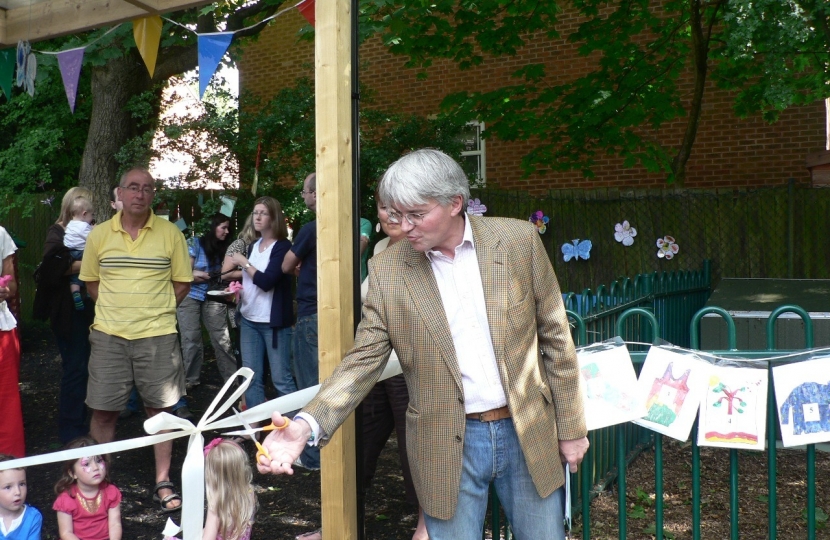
(52, 18)
(335, 248)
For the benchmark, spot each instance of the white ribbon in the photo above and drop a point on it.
(193, 469)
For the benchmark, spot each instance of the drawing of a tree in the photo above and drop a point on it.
(730, 397)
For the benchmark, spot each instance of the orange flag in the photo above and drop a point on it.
(147, 33)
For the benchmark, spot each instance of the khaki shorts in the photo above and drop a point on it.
(153, 364)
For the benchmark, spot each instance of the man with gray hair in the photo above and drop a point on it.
(473, 309)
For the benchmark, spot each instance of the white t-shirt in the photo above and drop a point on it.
(76, 233)
(7, 248)
(256, 303)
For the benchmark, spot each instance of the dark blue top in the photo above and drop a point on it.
(305, 248)
(282, 305)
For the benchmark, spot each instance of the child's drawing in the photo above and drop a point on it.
(608, 382)
(802, 393)
(672, 385)
(733, 410)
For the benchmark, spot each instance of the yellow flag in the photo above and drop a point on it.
(147, 33)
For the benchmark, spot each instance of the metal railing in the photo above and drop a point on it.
(586, 478)
(671, 299)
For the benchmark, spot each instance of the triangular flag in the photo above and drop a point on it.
(306, 9)
(7, 63)
(212, 48)
(70, 64)
(147, 33)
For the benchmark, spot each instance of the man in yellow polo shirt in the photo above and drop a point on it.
(137, 270)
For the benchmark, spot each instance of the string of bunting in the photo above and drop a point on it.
(147, 34)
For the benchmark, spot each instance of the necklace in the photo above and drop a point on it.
(90, 505)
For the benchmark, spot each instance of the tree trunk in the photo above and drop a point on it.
(110, 125)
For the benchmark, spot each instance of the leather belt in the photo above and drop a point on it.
(491, 416)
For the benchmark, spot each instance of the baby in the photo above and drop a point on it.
(17, 519)
(75, 239)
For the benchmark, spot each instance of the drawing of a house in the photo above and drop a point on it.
(667, 396)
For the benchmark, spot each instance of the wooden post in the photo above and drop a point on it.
(335, 248)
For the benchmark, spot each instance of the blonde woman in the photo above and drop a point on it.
(54, 301)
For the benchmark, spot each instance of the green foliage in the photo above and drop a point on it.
(775, 54)
(821, 518)
(41, 141)
(285, 127)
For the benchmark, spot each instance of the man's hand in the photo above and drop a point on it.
(283, 445)
(572, 452)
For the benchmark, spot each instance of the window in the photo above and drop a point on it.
(474, 155)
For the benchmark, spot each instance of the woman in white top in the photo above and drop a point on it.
(266, 303)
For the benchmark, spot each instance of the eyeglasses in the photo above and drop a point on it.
(261, 214)
(413, 218)
(134, 189)
(309, 192)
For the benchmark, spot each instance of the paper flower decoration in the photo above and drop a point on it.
(475, 208)
(667, 247)
(625, 233)
(577, 249)
(540, 220)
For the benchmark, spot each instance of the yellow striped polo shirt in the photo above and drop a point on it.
(135, 292)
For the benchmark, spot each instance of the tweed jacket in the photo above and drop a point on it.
(531, 338)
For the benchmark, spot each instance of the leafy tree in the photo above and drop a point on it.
(284, 128)
(774, 54)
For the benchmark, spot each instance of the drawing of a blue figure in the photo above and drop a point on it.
(810, 403)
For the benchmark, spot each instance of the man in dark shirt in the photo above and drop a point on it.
(302, 261)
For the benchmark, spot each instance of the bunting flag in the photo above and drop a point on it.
(306, 9)
(70, 65)
(212, 48)
(7, 63)
(147, 33)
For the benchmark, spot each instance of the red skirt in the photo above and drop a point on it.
(11, 414)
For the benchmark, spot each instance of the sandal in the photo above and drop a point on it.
(164, 501)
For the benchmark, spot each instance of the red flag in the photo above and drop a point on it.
(306, 9)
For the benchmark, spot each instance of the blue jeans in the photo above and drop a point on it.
(74, 351)
(307, 370)
(256, 342)
(492, 454)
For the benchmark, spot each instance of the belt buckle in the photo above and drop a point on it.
(481, 416)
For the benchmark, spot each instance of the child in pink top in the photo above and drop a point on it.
(88, 506)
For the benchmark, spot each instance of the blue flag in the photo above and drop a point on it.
(212, 48)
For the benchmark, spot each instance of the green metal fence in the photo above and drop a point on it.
(588, 484)
(671, 299)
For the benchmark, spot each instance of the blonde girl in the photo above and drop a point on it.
(230, 497)
(88, 505)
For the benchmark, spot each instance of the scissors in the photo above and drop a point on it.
(249, 431)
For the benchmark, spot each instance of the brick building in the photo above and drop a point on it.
(728, 152)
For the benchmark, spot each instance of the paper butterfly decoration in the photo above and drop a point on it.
(577, 249)
(475, 208)
(48, 201)
(540, 220)
(667, 247)
(625, 233)
(5, 280)
(26, 67)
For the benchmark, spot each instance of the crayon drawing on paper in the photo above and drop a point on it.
(733, 410)
(672, 384)
(802, 393)
(608, 383)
